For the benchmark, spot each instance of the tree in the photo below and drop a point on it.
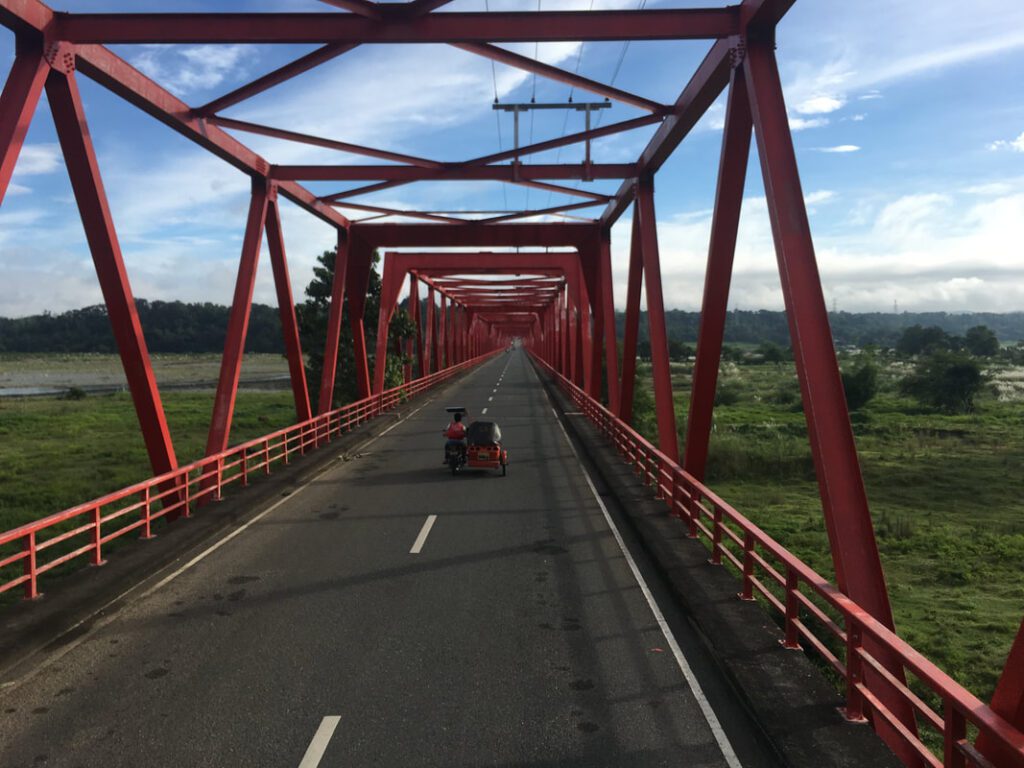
(861, 384)
(945, 380)
(981, 341)
(678, 351)
(771, 352)
(643, 349)
(917, 339)
(312, 317)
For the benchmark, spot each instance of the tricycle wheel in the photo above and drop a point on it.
(504, 469)
(455, 468)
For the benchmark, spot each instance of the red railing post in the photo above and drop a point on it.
(792, 638)
(29, 567)
(716, 536)
(97, 537)
(954, 733)
(854, 709)
(266, 456)
(747, 592)
(220, 478)
(147, 514)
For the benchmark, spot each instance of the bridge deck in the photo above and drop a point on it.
(517, 636)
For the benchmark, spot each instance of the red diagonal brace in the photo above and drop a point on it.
(286, 309)
(17, 106)
(732, 171)
(847, 519)
(80, 158)
(238, 323)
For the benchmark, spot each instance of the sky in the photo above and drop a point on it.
(908, 123)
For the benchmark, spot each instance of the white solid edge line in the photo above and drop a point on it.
(417, 546)
(684, 666)
(322, 737)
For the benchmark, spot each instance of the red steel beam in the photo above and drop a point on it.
(858, 568)
(668, 440)
(87, 185)
(17, 106)
(476, 235)
(543, 146)
(700, 93)
(732, 173)
(278, 76)
(286, 309)
(560, 75)
(495, 27)
(334, 314)
(559, 189)
(1008, 703)
(238, 323)
(539, 212)
(365, 8)
(317, 141)
(413, 214)
(510, 172)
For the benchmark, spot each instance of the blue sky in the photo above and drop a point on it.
(909, 123)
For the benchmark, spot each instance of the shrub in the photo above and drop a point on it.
(946, 381)
(75, 393)
(727, 394)
(860, 385)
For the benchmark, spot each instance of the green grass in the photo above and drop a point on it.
(58, 453)
(946, 495)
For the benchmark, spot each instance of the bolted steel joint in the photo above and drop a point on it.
(737, 51)
(60, 55)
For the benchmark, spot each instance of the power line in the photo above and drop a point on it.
(497, 115)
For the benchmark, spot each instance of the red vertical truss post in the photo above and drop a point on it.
(390, 288)
(442, 320)
(431, 353)
(286, 308)
(17, 106)
(590, 267)
(631, 330)
(238, 321)
(606, 299)
(357, 282)
(732, 172)
(334, 315)
(851, 533)
(417, 317)
(84, 173)
(668, 440)
(1007, 702)
(585, 337)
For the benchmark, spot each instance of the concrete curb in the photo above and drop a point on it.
(784, 692)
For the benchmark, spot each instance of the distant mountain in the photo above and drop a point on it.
(174, 326)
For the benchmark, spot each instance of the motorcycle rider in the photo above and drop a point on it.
(456, 434)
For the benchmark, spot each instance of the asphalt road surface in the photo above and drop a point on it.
(389, 614)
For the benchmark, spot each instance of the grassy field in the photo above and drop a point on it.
(946, 493)
(58, 453)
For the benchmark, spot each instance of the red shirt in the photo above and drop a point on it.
(456, 431)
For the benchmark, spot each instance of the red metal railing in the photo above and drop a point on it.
(93, 525)
(812, 610)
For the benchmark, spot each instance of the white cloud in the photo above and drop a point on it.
(821, 196)
(1015, 145)
(840, 149)
(35, 159)
(802, 123)
(187, 69)
(921, 250)
(870, 96)
(18, 189)
(856, 118)
(819, 105)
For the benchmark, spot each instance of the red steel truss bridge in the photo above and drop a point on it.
(519, 628)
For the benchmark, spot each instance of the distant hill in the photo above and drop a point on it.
(169, 326)
(856, 328)
(174, 326)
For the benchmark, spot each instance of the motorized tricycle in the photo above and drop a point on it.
(481, 448)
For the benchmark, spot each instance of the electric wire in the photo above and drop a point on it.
(497, 113)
